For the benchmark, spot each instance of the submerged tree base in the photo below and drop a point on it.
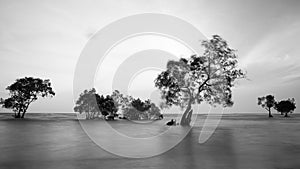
(186, 118)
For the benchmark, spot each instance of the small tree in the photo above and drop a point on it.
(23, 92)
(107, 106)
(87, 103)
(121, 101)
(140, 105)
(93, 104)
(208, 77)
(153, 112)
(267, 102)
(286, 106)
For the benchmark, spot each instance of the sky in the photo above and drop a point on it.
(45, 39)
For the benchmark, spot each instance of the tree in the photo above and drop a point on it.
(286, 106)
(107, 106)
(140, 105)
(87, 103)
(153, 112)
(132, 113)
(93, 104)
(136, 109)
(121, 101)
(23, 92)
(267, 102)
(208, 77)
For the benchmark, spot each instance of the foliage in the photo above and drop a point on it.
(208, 77)
(23, 92)
(93, 104)
(286, 106)
(267, 102)
(135, 109)
(132, 113)
(87, 103)
(107, 105)
(153, 112)
(140, 105)
(121, 101)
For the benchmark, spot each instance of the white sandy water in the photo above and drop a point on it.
(241, 141)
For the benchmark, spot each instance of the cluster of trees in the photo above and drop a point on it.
(284, 106)
(207, 77)
(94, 105)
(23, 92)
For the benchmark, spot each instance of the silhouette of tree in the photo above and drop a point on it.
(23, 92)
(107, 106)
(140, 105)
(286, 106)
(87, 103)
(267, 102)
(208, 77)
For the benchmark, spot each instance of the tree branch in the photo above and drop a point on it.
(205, 82)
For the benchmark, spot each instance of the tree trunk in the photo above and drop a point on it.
(286, 114)
(18, 115)
(187, 115)
(23, 114)
(270, 115)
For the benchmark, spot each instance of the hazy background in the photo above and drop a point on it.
(44, 39)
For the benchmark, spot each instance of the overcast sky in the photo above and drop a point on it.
(45, 38)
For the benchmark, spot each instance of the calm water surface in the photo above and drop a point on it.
(240, 141)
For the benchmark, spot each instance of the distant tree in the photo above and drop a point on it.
(286, 106)
(140, 105)
(153, 112)
(208, 77)
(267, 102)
(132, 113)
(23, 92)
(141, 110)
(107, 106)
(121, 101)
(87, 103)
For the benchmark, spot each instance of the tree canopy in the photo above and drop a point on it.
(135, 108)
(141, 105)
(207, 77)
(23, 92)
(93, 104)
(107, 105)
(286, 106)
(87, 103)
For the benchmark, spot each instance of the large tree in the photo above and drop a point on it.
(23, 92)
(286, 106)
(267, 102)
(207, 77)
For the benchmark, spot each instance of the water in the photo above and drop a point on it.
(240, 141)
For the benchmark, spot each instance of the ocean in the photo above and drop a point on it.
(57, 140)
